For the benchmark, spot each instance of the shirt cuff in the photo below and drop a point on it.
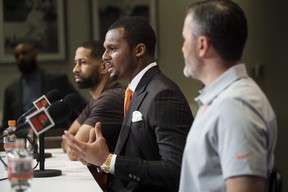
(112, 164)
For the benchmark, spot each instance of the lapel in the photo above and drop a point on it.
(135, 103)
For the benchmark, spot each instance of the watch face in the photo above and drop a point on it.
(105, 168)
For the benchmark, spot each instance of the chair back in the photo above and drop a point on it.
(275, 181)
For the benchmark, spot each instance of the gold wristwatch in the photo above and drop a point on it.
(105, 167)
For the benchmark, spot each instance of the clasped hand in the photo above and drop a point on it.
(95, 151)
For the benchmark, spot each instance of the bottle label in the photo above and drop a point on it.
(20, 168)
(9, 141)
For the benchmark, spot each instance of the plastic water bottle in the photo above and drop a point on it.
(9, 138)
(20, 168)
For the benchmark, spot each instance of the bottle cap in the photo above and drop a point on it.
(11, 122)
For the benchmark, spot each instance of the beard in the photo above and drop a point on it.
(186, 72)
(113, 76)
(192, 67)
(112, 73)
(27, 67)
(89, 82)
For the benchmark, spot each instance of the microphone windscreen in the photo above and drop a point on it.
(59, 111)
(72, 100)
(54, 95)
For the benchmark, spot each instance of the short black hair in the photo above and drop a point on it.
(224, 23)
(96, 46)
(137, 30)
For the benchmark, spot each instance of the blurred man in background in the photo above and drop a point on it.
(33, 83)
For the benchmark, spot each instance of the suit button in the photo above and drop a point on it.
(134, 177)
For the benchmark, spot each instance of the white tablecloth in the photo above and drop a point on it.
(75, 176)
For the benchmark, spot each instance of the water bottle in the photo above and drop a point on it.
(9, 137)
(20, 167)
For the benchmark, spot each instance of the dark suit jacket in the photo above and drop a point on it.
(13, 94)
(149, 152)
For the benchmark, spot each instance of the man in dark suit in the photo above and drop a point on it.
(149, 150)
(33, 83)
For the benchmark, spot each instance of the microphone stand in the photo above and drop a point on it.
(20, 120)
(46, 155)
(42, 172)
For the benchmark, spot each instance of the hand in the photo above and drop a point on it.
(64, 146)
(71, 155)
(94, 152)
(67, 150)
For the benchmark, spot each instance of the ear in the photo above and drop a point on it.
(140, 49)
(203, 45)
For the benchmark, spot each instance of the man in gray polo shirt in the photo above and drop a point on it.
(231, 143)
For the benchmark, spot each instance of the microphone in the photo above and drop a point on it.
(72, 100)
(43, 101)
(44, 119)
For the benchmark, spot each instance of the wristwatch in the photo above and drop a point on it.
(105, 167)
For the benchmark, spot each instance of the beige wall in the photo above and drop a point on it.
(267, 46)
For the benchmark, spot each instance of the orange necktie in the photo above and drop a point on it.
(128, 94)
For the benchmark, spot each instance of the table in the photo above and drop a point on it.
(75, 176)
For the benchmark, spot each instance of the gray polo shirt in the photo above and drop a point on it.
(233, 134)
